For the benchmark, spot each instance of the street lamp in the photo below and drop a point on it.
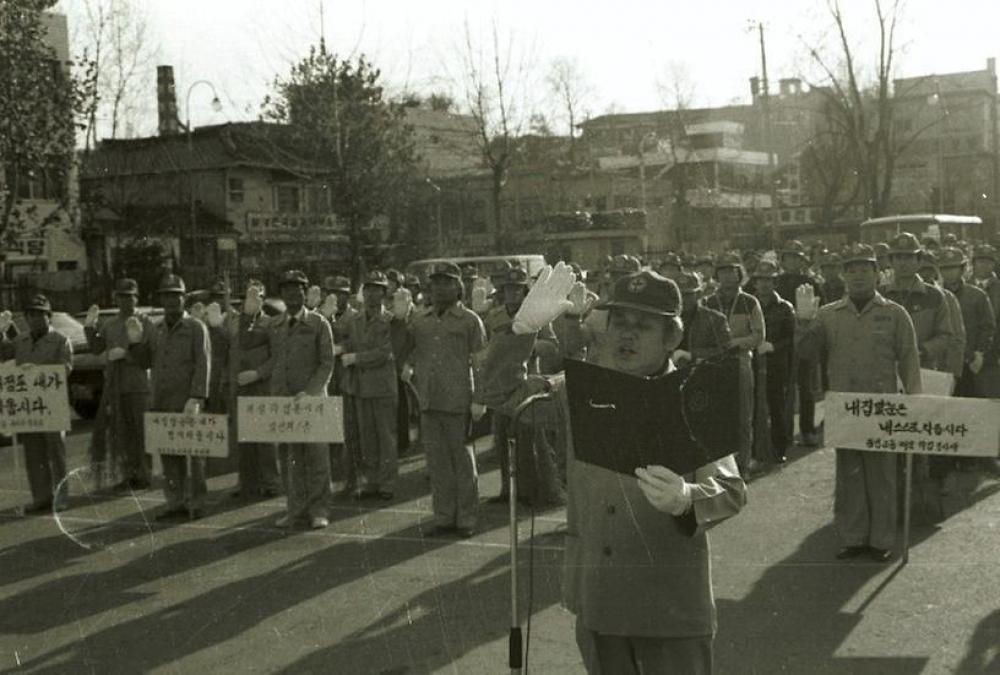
(216, 106)
(937, 100)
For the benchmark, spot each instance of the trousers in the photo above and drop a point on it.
(176, 478)
(127, 434)
(305, 468)
(45, 463)
(379, 452)
(452, 468)
(864, 506)
(629, 655)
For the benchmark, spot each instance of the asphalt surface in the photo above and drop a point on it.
(103, 589)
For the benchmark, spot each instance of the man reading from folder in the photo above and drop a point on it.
(636, 567)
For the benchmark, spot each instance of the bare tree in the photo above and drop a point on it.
(570, 88)
(496, 84)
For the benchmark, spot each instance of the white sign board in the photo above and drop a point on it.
(199, 435)
(283, 419)
(33, 398)
(936, 383)
(927, 425)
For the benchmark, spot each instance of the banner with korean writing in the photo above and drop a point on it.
(33, 398)
(928, 425)
(283, 419)
(200, 435)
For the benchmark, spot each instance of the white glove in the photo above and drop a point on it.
(338, 349)
(192, 407)
(806, 302)
(349, 359)
(477, 410)
(329, 306)
(765, 348)
(133, 329)
(252, 302)
(213, 315)
(246, 377)
(578, 296)
(680, 355)
(480, 296)
(6, 320)
(93, 314)
(302, 394)
(116, 354)
(313, 297)
(664, 489)
(402, 303)
(546, 300)
(406, 374)
(977, 363)
(197, 311)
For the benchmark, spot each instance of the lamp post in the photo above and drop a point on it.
(216, 106)
(937, 100)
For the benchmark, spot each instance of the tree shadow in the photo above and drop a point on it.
(983, 653)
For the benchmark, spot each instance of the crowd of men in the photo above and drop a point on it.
(444, 350)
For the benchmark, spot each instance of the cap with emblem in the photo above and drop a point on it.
(337, 284)
(411, 281)
(671, 259)
(645, 291)
(445, 269)
(294, 277)
(171, 284)
(395, 276)
(624, 264)
(881, 249)
(830, 259)
(220, 287)
(859, 253)
(515, 277)
(689, 282)
(728, 260)
(126, 286)
(951, 257)
(765, 270)
(500, 271)
(376, 278)
(795, 247)
(905, 243)
(470, 271)
(38, 303)
(984, 251)
(928, 259)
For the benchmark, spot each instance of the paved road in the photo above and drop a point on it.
(105, 590)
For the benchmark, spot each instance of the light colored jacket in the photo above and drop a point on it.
(302, 356)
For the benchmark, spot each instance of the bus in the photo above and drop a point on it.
(485, 265)
(924, 226)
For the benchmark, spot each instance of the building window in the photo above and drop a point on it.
(38, 184)
(67, 265)
(317, 199)
(786, 216)
(286, 198)
(236, 190)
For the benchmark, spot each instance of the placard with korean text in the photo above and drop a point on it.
(201, 435)
(285, 419)
(33, 398)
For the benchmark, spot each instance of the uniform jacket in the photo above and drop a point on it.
(496, 379)
(440, 348)
(180, 357)
(254, 353)
(746, 322)
(954, 361)
(991, 286)
(706, 333)
(218, 337)
(831, 290)
(125, 376)
(52, 348)
(779, 319)
(344, 380)
(370, 338)
(866, 350)
(978, 318)
(931, 319)
(786, 284)
(302, 355)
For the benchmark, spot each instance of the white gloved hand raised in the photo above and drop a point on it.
(313, 297)
(246, 377)
(192, 406)
(664, 489)
(93, 314)
(329, 307)
(402, 303)
(477, 410)
(680, 355)
(349, 359)
(116, 353)
(977, 363)
(197, 311)
(338, 349)
(406, 374)
(133, 330)
(806, 302)
(765, 348)
(480, 297)
(578, 296)
(252, 301)
(6, 321)
(213, 315)
(546, 300)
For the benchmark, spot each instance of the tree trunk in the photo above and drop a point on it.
(498, 184)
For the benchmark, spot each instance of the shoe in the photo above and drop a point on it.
(365, 495)
(880, 554)
(197, 514)
(385, 495)
(502, 498)
(849, 552)
(810, 440)
(138, 484)
(238, 494)
(441, 530)
(41, 507)
(171, 514)
(269, 493)
(780, 457)
(465, 532)
(319, 522)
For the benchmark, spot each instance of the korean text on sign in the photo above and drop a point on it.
(33, 398)
(927, 425)
(283, 419)
(181, 434)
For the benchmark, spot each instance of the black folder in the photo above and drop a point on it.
(681, 420)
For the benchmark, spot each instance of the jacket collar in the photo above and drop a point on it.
(845, 303)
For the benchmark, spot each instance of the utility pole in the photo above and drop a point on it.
(766, 108)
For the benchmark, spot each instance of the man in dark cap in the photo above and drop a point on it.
(706, 331)
(126, 385)
(345, 458)
(179, 353)
(368, 352)
(44, 452)
(302, 345)
(775, 356)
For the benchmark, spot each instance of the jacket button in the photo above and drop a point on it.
(607, 551)
(611, 509)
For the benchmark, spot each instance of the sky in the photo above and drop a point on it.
(627, 49)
